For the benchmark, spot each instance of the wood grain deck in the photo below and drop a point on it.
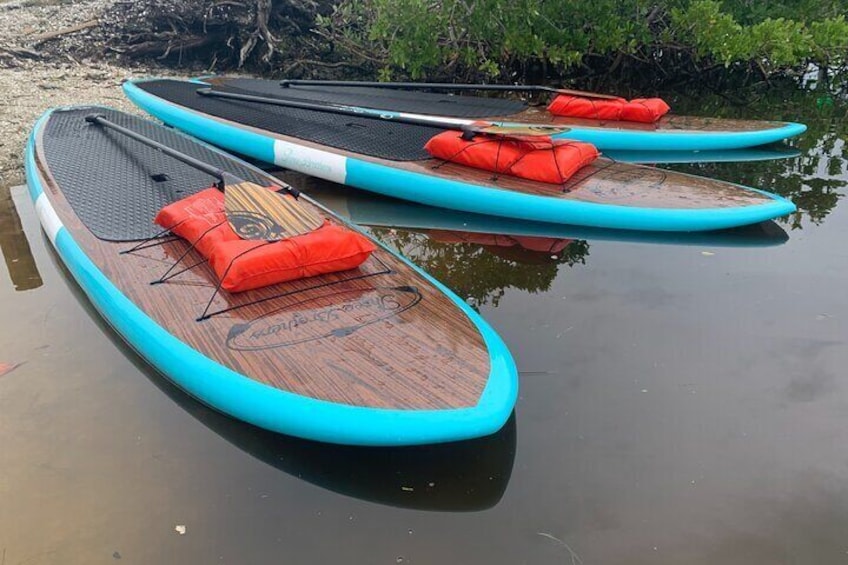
(377, 336)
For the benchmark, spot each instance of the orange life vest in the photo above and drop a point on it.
(538, 158)
(248, 264)
(645, 110)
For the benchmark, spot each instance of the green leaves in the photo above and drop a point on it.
(711, 32)
(773, 43)
(490, 35)
(491, 39)
(830, 40)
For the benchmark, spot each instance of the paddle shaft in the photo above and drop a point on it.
(242, 199)
(469, 129)
(342, 110)
(187, 159)
(447, 86)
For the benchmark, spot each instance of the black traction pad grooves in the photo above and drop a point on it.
(115, 184)
(374, 137)
(409, 101)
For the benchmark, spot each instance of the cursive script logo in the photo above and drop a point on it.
(333, 315)
(290, 157)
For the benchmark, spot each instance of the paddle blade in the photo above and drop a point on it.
(257, 213)
(522, 130)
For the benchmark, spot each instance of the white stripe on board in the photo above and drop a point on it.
(310, 161)
(439, 119)
(47, 216)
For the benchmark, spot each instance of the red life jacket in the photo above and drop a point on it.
(248, 264)
(647, 110)
(529, 157)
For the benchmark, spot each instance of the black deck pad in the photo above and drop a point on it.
(378, 138)
(115, 184)
(410, 101)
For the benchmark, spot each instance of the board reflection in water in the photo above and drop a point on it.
(17, 254)
(528, 250)
(479, 256)
(463, 476)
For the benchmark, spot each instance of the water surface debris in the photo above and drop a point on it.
(6, 368)
(575, 559)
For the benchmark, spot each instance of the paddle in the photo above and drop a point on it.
(449, 86)
(468, 130)
(253, 211)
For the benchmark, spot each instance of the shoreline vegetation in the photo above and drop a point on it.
(461, 40)
(56, 52)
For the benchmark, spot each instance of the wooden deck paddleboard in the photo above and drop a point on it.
(378, 355)
(372, 210)
(670, 133)
(388, 158)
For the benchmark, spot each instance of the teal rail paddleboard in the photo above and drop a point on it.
(377, 355)
(671, 133)
(373, 210)
(388, 158)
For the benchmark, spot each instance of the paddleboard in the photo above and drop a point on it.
(378, 355)
(373, 210)
(388, 158)
(670, 133)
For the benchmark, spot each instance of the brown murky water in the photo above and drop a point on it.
(683, 400)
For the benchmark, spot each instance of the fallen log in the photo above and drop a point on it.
(163, 47)
(42, 37)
